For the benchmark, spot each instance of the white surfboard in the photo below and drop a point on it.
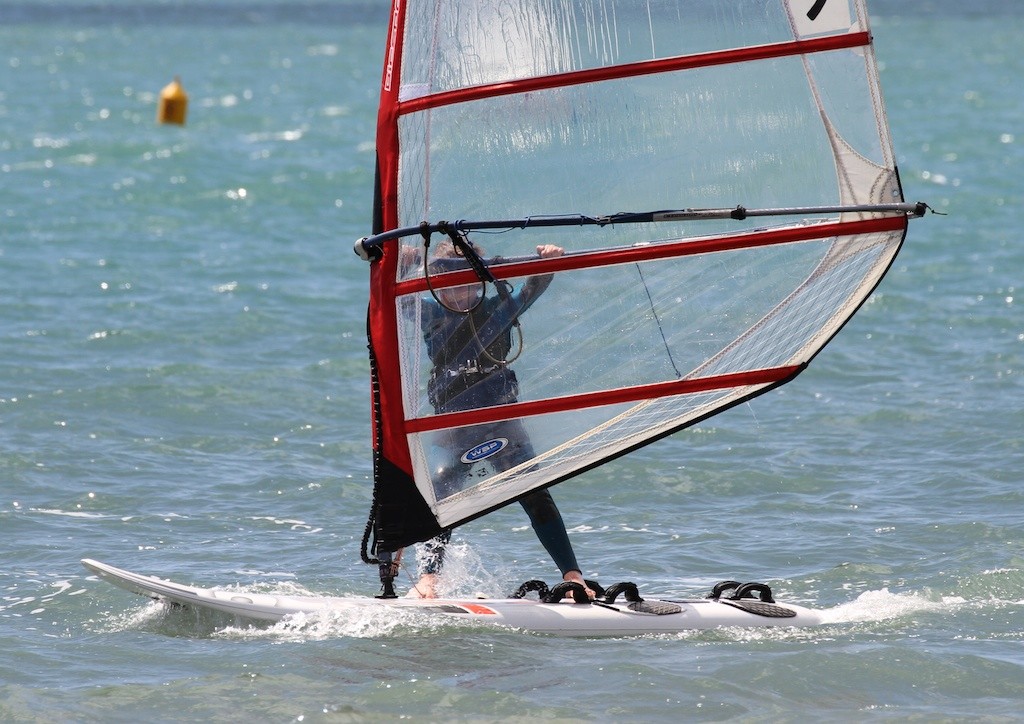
(565, 618)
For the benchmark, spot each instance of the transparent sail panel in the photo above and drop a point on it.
(571, 148)
(584, 332)
(455, 45)
(601, 328)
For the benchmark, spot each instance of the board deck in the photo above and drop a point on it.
(565, 618)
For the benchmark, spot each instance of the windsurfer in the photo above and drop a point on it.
(469, 340)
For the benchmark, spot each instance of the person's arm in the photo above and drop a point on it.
(537, 285)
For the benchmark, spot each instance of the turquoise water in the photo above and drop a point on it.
(183, 391)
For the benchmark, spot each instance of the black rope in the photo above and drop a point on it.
(460, 240)
(461, 246)
(386, 569)
(657, 321)
(467, 250)
(377, 454)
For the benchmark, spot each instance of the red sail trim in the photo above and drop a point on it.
(772, 375)
(630, 70)
(382, 320)
(668, 250)
(387, 119)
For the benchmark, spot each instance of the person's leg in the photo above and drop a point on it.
(433, 552)
(433, 559)
(550, 529)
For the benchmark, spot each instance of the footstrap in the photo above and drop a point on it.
(539, 586)
(579, 593)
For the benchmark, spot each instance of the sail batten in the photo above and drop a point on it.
(600, 398)
(756, 132)
(414, 103)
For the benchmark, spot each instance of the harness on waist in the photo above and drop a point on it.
(495, 385)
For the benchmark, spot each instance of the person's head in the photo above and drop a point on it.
(449, 258)
(446, 250)
(462, 298)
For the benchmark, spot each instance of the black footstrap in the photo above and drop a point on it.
(759, 591)
(626, 588)
(539, 586)
(556, 594)
(755, 598)
(722, 587)
(605, 597)
(579, 593)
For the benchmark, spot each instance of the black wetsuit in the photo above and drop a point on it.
(468, 355)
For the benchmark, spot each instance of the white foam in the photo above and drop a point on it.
(883, 605)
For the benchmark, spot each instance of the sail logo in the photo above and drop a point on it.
(484, 450)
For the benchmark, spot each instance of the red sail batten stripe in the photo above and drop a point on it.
(605, 397)
(630, 70)
(632, 254)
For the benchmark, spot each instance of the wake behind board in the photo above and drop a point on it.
(565, 618)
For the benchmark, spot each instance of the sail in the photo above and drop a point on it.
(603, 129)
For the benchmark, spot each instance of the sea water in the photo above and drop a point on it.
(183, 392)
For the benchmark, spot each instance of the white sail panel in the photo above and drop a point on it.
(813, 17)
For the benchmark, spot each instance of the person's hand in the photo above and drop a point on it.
(408, 256)
(546, 251)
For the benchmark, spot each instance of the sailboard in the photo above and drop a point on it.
(719, 174)
(616, 614)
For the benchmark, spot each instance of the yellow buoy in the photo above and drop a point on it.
(173, 104)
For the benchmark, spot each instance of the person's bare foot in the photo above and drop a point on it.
(424, 588)
(577, 577)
